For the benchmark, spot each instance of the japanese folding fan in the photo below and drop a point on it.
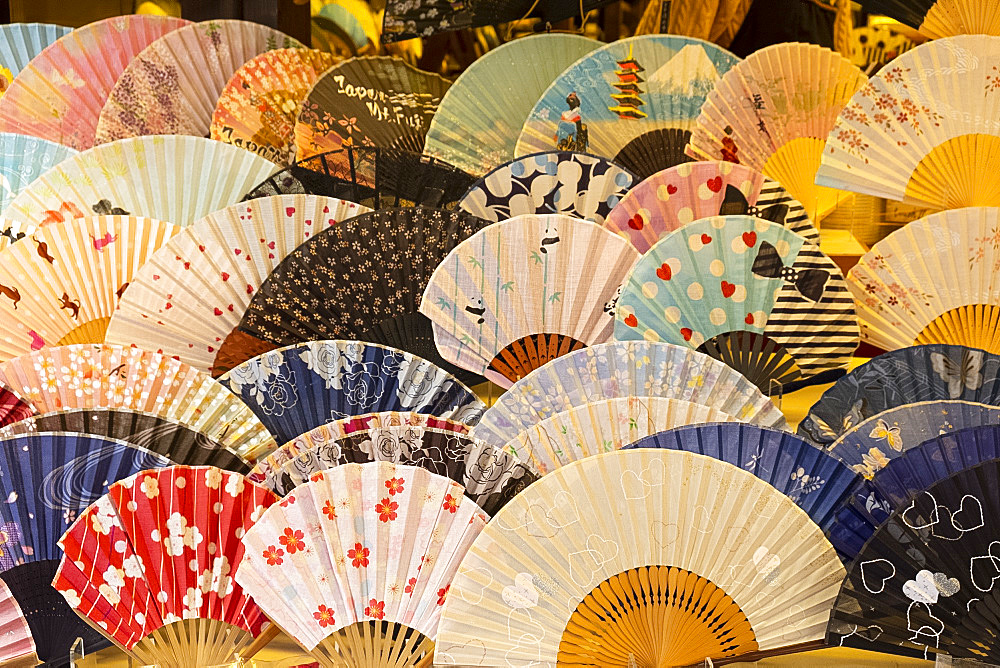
(20, 42)
(676, 196)
(19, 647)
(747, 291)
(477, 122)
(942, 18)
(622, 369)
(151, 564)
(258, 107)
(873, 46)
(565, 182)
(369, 101)
(357, 565)
(524, 291)
(693, 552)
(773, 112)
(171, 87)
(626, 101)
(96, 376)
(932, 281)
(188, 298)
(921, 130)
(22, 160)
(61, 284)
(12, 407)
(59, 95)
(183, 179)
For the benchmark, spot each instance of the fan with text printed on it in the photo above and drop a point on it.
(679, 195)
(932, 281)
(19, 647)
(357, 565)
(748, 292)
(188, 298)
(921, 130)
(525, 291)
(322, 291)
(59, 94)
(20, 42)
(106, 376)
(297, 388)
(62, 284)
(12, 407)
(151, 563)
(773, 112)
(685, 557)
(22, 160)
(942, 18)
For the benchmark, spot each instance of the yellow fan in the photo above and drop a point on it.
(773, 112)
(61, 284)
(941, 18)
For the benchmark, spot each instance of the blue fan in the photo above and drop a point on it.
(905, 376)
(20, 42)
(22, 160)
(297, 388)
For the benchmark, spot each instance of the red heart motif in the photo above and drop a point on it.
(249, 289)
(237, 251)
(728, 289)
(211, 349)
(218, 311)
(230, 308)
(289, 210)
(187, 265)
(201, 248)
(635, 222)
(169, 305)
(671, 189)
(225, 276)
(270, 256)
(686, 333)
(749, 319)
(271, 245)
(715, 185)
(326, 209)
(663, 272)
(750, 238)
(263, 240)
(705, 239)
(631, 320)
(156, 277)
(309, 222)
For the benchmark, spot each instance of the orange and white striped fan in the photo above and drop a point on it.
(773, 112)
(933, 281)
(104, 376)
(188, 299)
(61, 285)
(923, 130)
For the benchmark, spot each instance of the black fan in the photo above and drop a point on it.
(654, 151)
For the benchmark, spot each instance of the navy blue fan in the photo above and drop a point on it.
(297, 388)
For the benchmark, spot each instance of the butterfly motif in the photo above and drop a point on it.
(883, 432)
(967, 374)
(66, 211)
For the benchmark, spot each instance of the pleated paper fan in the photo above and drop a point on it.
(19, 647)
(676, 196)
(357, 565)
(375, 177)
(369, 101)
(184, 178)
(624, 369)
(151, 565)
(627, 101)
(524, 291)
(171, 87)
(59, 95)
(322, 291)
(22, 160)
(62, 283)
(188, 299)
(297, 388)
(90, 376)
(479, 118)
(564, 182)
(12, 407)
(705, 558)
(873, 46)
(932, 281)
(788, 97)
(942, 18)
(258, 107)
(20, 42)
(746, 291)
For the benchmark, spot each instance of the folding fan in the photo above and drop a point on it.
(746, 291)
(258, 107)
(378, 178)
(18, 648)
(690, 551)
(873, 46)
(297, 388)
(189, 297)
(357, 565)
(477, 122)
(62, 283)
(322, 291)
(151, 565)
(942, 18)
(93, 376)
(638, 94)
(171, 87)
(183, 179)
(524, 291)
(12, 407)
(676, 196)
(932, 281)
(565, 182)
(342, 31)
(59, 95)
(369, 101)
(20, 42)
(773, 112)
(22, 160)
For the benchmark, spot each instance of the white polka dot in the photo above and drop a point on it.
(725, 167)
(218, 507)
(120, 546)
(759, 318)
(717, 267)
(212, 547)
(239, 532)
(737, 245)
(132, 506)
(695, 291)
(704, 193)
(762, 225)
(623, 311)
(672, 314)
(181, 482)
(651, 336)
(739, 294)
(685, 215)
(662, 193)
(717, 316)
(162, 597)
(650, 289)
(697, 339)
(782, 247)
(695, 243)
(746, 187)
(684, 169)
(718, 222)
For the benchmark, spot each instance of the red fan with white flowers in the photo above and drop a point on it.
(150, 565)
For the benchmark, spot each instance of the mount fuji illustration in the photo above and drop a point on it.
(689, 72)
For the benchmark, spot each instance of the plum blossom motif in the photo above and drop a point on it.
(274, 555)
(386, 510)
(375, 609)
(324, 616)
(292, 540)
(394, 485)
(358, 555)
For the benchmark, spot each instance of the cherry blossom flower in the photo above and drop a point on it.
(450, 503)
(330, 510)
(375, 609)
(358, 555)
(386, 510)
(292, 539)
(394, 485)
(274, 555)
(442, 594)
(324, 616)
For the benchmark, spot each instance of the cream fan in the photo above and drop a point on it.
(922, 130)
(61, 284)
(524, 291)
(188, 298)
(773, 112)
(933, 281)
(640, 557)
(942, 18)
